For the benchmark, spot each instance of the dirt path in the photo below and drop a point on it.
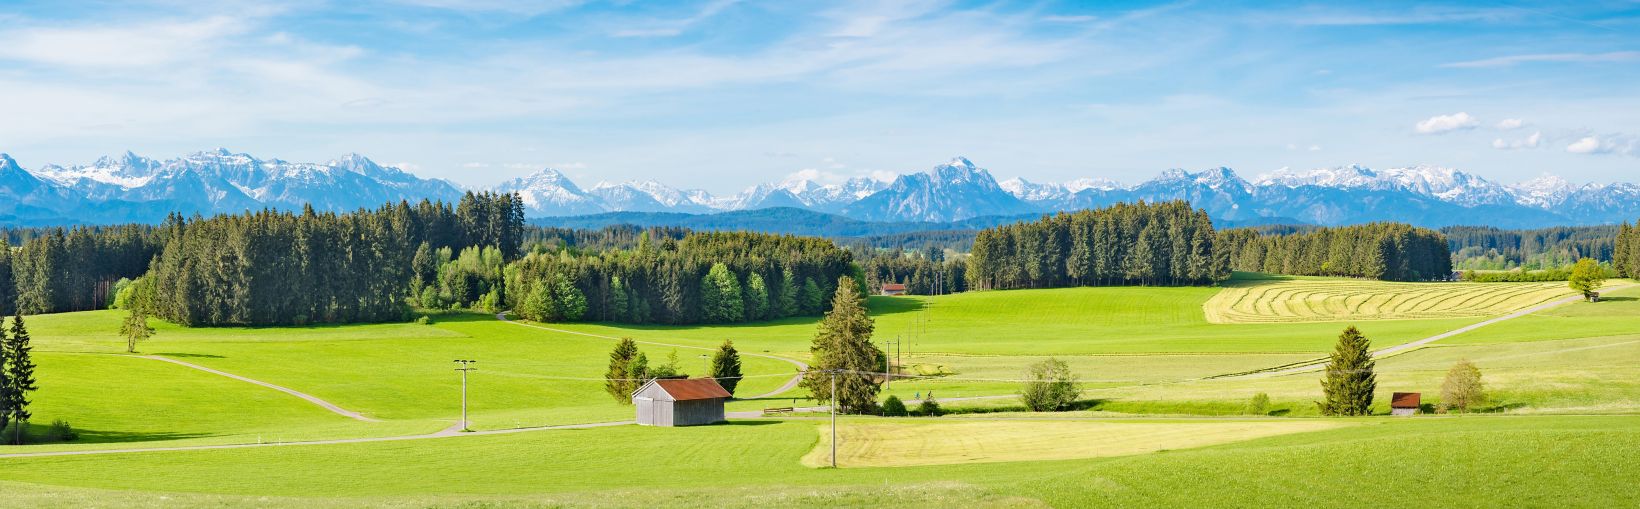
(310, 398)
(789, 385)
(450, 432)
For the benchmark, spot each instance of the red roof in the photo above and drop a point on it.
(1405, 400)
(693, 389)
(889, 287)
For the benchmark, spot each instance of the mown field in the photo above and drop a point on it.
(1325, 300)
(1156, 428)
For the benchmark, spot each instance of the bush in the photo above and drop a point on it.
(1052, 386)
(929, 408)
(893, 407)
(60, 431)
(1259, 405)
(424, 320)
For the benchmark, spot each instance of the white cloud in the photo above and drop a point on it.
(1510, 123)
(1528, 142)
(1586, 145)
(1512, 60)
(1446, 123)
(1625, 144)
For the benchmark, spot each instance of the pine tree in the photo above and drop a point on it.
(618, 380)
(720, 297)
(842, 349)
(1349, 381)
(1463, 388)
(5, 381)
(726, 366)
(19, 375)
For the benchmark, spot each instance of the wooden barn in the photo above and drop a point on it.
(680, 402)
(1405, 403)
(892, 289)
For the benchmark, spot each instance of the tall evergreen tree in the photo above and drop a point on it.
(19, 376)
(757, 297)
(619, 379)
(842, 349)
(1349, 381)
(726, 366)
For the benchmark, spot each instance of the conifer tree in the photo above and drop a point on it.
(5, 380)
(1349, 381)
(842, 348)
(618, 380)
(726, 366)
(757, 297)
(19, 376)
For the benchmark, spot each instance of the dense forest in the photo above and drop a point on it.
(1124, 244)
(1626, 255)
(923, 272)
(74, 269)
(1387, 251)
(1488, 248)
(272, 267)
(705, 277)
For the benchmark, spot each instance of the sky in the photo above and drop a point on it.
(723, 94)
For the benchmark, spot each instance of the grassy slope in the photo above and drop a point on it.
(1322, 300)
(1574, 462)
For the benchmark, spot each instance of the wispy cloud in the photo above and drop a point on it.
(1341, 16)
(1528, 142)
(1624, 144)
(133, 46)
(1510, 124)
(673, 27)
(1446, 123)
(1513, 60)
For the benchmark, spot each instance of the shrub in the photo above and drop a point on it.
(60, 431)
(893, 407)
(424, 320)
(929, 408)
(1259, 405)
(1051, 386)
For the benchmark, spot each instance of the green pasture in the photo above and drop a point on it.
(1539, 461)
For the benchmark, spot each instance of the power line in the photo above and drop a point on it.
(465, 367)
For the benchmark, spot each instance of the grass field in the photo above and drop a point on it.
(1146, 355)
(907, 442)
(1326, 300)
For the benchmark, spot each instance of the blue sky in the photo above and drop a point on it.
(722, 94)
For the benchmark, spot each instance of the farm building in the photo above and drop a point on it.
(1405, 403)
(893, 289)
(680, 402)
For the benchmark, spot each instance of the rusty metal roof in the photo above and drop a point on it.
(693, 389)
(893, 286)
(1405, 400)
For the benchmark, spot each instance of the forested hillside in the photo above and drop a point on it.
(1124, 244)
(1387, 251)
(1488, 248)
(706, 277)
(274, 267)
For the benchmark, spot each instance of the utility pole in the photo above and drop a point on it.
(834, 418)
(464, 369)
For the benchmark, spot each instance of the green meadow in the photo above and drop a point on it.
(1159, 425)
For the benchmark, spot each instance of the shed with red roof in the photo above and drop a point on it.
(680, 402)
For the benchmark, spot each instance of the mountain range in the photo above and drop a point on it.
(131, 188)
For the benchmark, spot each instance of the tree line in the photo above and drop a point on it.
(274, 268)
(1124, 244)
(73, 269)
(1489, 248)
(706, 277)
(1626, 250)
(923, 272)
(1385, 251)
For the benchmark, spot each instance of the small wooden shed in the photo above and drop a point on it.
(1405, 403)
(680, 402)
(893, 289)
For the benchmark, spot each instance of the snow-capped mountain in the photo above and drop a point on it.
(948, 192)
(134, 188)
(130, 187)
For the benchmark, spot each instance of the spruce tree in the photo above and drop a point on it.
(619, 380)
(20, 376)
(1349, 381)
(5, 380)
(726, 366)
(757, 297)
(842, 348)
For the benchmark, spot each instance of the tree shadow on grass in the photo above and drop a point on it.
(1617, 299)
(37, 433)
(188, 355)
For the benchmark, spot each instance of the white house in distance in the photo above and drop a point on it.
(680, 402)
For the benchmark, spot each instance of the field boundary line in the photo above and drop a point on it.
(789, 385)
(306, 397)
(453, 431)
